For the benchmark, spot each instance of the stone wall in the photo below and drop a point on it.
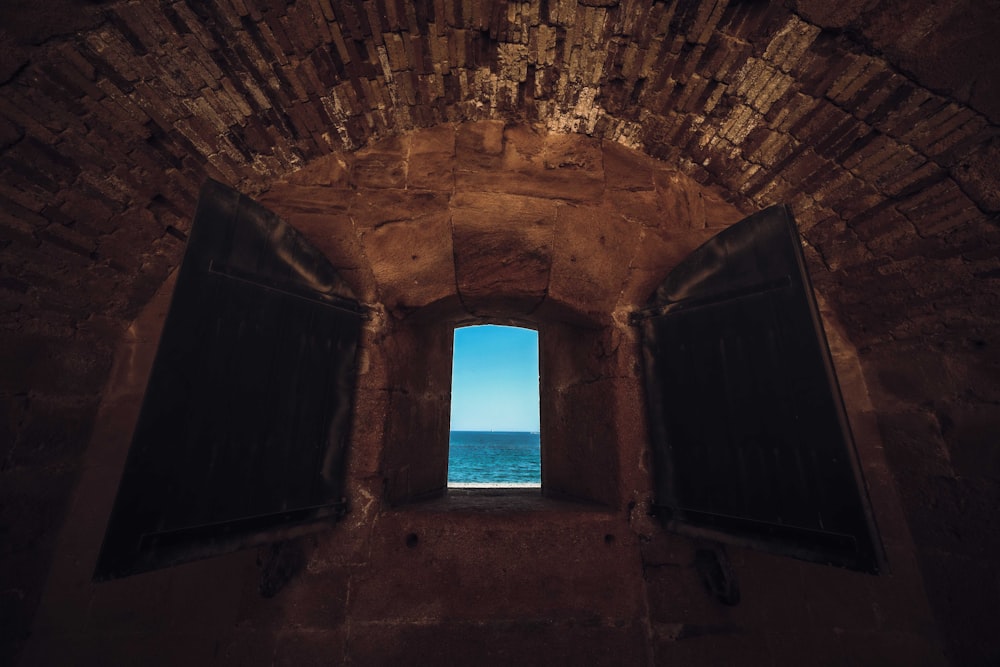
(482, 222)
(876, 120)
(554, 219)
(569, 234)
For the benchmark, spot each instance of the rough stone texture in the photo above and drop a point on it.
(580, 573)
(512, 229)
(876, 120)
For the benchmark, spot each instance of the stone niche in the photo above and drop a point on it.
(486, 223)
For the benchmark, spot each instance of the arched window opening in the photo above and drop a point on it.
(495, 438)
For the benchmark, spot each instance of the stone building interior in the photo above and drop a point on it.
(547, 164)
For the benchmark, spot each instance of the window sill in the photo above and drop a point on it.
(502, 500)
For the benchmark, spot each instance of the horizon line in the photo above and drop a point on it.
(492, 430)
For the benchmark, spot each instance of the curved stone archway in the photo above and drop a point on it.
(875, 120)
(490, 222)
(586, 557)
(109, 131)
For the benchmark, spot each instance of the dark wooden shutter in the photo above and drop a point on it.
(245, 419)
(750, 438)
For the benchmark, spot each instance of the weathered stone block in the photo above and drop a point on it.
(421, 558)
(657, 253)
(53, 431)
(592, 252)
(643, 208)
(412, 260)
(374, 208)
(980, 372)
(774, 585)
(415, 454)
(555, 183)
(246, 645)
(431, 171)
(975, 173)
(308, 198)
(571, 153)
(822, 647)
(347, 543)
(914, 375)
(45, 365)
(524, 641)
(366, 442)
(679, 601)
(683, 203)
(305, 647)
(309, 601)
(414, 449)
(837, 597)
(537, 163)
(479, 145)
(379, 170)
(966, 598)
(332, 170)
(437, 139)
(503, 249)
(913, 444)
(579, 462)
(13, 408)
(702, 646)
(627, 169)
(22, 572)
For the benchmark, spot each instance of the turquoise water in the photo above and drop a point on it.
(487, 457)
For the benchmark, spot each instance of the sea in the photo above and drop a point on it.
(494, 458)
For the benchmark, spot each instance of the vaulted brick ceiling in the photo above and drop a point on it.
(876, 121)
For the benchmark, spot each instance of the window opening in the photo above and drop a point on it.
(495, 438)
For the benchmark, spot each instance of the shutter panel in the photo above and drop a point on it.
(751, 442)
(245, 419)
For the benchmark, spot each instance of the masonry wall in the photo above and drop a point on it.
(876, 120)
(579, 574)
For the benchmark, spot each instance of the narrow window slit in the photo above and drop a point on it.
(495, 438)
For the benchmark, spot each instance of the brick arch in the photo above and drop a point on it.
(873, 120)
(108, 131)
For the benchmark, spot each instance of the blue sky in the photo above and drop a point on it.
(494, 384)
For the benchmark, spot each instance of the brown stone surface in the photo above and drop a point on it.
(973, 174)
(490, 577)
(588, 266)
(412, 261)
(875, 120)
(503, 249)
